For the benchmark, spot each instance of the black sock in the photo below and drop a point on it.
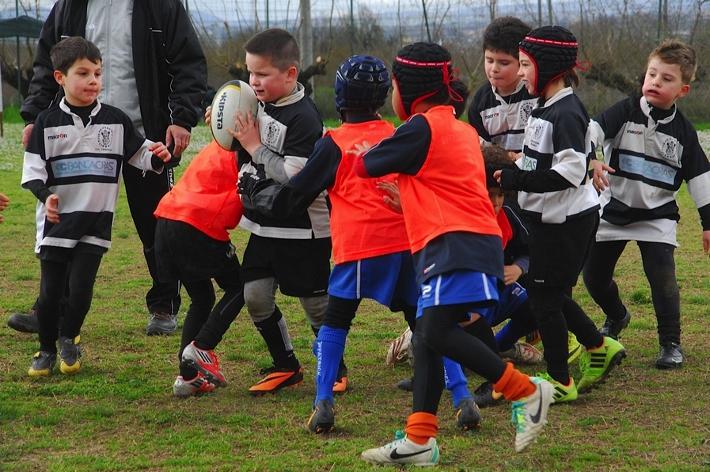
(274, 332)
(188, 370)
(410, 316)
(342, 369)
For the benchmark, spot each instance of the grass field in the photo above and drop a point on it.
(118, 412)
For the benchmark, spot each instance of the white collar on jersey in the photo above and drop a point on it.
(646, 109)
(500, 98)
(558, 96)
(298, 93)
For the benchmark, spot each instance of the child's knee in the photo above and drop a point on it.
(259, 300)
(315, 308)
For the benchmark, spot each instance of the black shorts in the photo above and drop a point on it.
(300, 266)
(558, 251)
(184, 253)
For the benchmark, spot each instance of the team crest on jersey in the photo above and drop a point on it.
(103, 136)
(669, 149)
(272, 133)
(525, 109)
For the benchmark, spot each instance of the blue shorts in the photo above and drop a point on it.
(458, 287)
(388, 279)
(510, 299)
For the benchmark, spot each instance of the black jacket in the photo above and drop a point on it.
(165, 47)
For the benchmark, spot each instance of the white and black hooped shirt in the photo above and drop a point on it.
(501, 120)
(556, 155)
(289, 128)
(81, 164)
(652, 151)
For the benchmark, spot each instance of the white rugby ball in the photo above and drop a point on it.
(232, 97)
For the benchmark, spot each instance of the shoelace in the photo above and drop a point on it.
(399, 439)
(518, 415)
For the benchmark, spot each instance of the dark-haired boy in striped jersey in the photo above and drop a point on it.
(650, 148)
(500, 108)
(72, 165)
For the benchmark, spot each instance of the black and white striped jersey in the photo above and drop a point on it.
(289, 128)
(501, 120)
(652, 151)
(81, 165)
(557, 144)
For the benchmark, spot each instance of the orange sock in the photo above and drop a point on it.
(421, 426)
(513, 384)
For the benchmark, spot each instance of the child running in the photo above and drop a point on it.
(650, 148)
(500, 109)
(456, 247)
(193, 247)
(513, 299)
(561, 207)
(292, 253)
(72, 165)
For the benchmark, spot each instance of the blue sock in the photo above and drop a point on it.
(329, 349)
(455, 381)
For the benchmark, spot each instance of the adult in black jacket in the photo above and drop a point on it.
(161, 79)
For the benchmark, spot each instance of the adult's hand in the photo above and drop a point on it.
(26, 133)
(177, 136)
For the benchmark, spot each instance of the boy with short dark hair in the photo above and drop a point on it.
(650, 148)
(72, 165)
(291, 253)
(370, 246)
(500, 108)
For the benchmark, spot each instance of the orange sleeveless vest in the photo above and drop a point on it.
(206, 195)
(361, 224)
(449, 193)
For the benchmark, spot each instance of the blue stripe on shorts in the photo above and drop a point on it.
(458, 287)
(388, 279)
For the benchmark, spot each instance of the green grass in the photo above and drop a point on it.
(703, 126)
(11, 115)
(118, 412)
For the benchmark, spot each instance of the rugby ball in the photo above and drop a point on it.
(232, 97)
